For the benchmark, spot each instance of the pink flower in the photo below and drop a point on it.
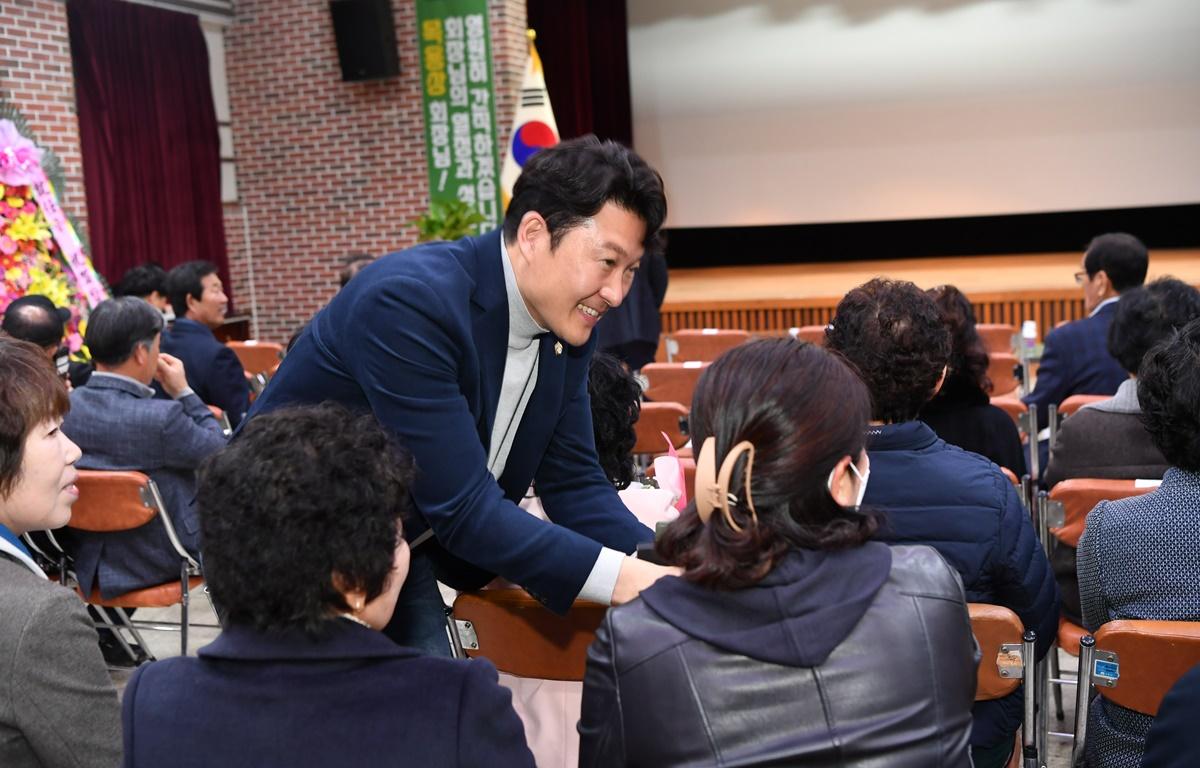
(19, 157)
(8, 245)
(29, 208)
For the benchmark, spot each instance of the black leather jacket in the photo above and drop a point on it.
(896, 691)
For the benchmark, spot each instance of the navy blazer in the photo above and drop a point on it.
(960, 504)
(351, 698)
(119, 425)
(213, 370)
(420, 339)
(1172, 740)
(1075, 361)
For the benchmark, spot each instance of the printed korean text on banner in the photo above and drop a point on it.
(533, 125)
(460, 115)
(40, 252)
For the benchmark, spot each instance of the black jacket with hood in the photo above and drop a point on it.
(862, 657)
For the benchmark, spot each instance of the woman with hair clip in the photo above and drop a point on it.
(790, 636)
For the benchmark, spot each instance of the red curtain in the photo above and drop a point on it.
(148, 130)
(584, 45)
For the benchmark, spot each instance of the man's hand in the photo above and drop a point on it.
(171, 375)
(636, 575)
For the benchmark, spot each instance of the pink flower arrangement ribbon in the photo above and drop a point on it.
(21, 164)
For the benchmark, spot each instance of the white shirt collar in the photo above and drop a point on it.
(10, 549)
(522, 328)
(1104, 304)
(147, 391)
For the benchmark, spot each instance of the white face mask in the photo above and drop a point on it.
(862, 476)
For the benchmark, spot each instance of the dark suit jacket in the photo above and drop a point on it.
(58, 706)
(1075, 361)
(352, 698)
(213, 370)
(420, 339)
(119, 425)
(1172, 740)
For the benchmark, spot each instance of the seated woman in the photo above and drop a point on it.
(304, 554)
(786, 615)
(961, 412)
(58, 706)
(1137, 556)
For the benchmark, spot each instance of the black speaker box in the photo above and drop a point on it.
(366, 38)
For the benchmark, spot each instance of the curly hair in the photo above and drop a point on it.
(301, 494)
(968, 355)
(893, 335)
(1169, 395)
(31, 393)
(616, 405)
(803, 409)
(1148, 314)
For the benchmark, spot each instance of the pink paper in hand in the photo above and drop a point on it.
(669, 473)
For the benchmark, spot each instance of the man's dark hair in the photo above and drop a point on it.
(1122, 257)
(301, 495)
(571, 181)
(117, 326)
(142, 280)
(1169, 396)
(968, 355)
(1148, 314)
(351, 266)
(893, 334)
(35, 319)
(616, 405)
(803, 409)
(184, 281)
(31, 393)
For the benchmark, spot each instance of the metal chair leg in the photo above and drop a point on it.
(137, 636)
(1055, 687)
(452, 630)
(1083, 698)
(183, 608)
(1029, 729)
(116, 632)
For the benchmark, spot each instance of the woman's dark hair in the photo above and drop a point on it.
(803, 409)
(893, 334)
(118, 325)
(571, 182)
(1148, 314)
(968, 355)
(301, 494)
(1169, 395)
(31, 393)
(185, 280)
(616, 405)
(1122, 257)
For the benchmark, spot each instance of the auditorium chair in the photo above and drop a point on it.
(257, 356)
(222, 419)
(522, 637)
(1132, 664)
(813, 334)
(1012, 405)
(704, 344)
(1075, 402)
(672, 382)
(1002, 372)
(1062, 514)
(658, 418)
(996, 337)
(1006, 653)
(112, 501)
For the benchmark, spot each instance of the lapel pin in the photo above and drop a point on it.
(558, 347)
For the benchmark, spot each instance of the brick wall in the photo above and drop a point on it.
(36, 78)
(324, 167)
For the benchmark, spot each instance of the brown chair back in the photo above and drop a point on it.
(672, 382)
(1075, 402)
(110, 501)
(1153, 655)
(1079, 496)
(705, 344)
(1000, 371)
(257, 356)
(1012, 405)
(655, 419)
(994, 626)
(996, 337)
(522, 637)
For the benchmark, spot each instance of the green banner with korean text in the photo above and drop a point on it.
(459, 102)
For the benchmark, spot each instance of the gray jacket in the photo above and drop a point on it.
(118, 424)
(896, 691)
(58, 707)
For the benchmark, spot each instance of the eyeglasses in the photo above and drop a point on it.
(1081, 277)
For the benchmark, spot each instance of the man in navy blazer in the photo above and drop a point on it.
(213, 370)
(1075, 358)
(119, 425)
(475, 353)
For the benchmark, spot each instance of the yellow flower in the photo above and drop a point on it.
(28, 226)
(15, 202)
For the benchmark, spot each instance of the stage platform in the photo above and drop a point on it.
(1004, 289)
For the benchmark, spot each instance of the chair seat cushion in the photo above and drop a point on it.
(160, 596)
